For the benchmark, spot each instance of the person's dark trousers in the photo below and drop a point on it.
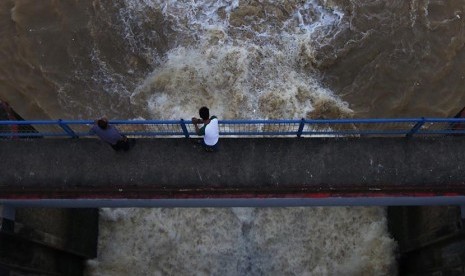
(210, 148)
(121, 145)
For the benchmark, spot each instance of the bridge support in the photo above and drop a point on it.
(7, 216)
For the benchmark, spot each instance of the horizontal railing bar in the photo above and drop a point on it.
(356, 132)
(239, 122)
(273, 121)
(151, 133)
(367, 121)
(191, 133)
(441, 132)
(292, 127)
(385, 121)
(149, 122)
(444, 120)
(88, 122)
(240, 202)
(36, 134)
(78, 122)
(259, 133)
(29, 122)
(161, 133)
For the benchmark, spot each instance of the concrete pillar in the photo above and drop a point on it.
(7, 216)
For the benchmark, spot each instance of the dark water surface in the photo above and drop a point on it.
(268, 59)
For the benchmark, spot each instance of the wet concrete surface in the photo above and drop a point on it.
(170, 168)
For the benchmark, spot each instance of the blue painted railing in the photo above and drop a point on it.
(244, 128)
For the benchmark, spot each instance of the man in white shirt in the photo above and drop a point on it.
(210, 129)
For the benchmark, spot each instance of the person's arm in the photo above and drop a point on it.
(196, 121)
(91, 130)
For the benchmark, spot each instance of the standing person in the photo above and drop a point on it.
(209, 130)
(110, 134)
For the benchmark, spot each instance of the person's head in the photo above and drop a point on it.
(102, 123)
(204, 113)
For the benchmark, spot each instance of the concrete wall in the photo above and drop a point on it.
(431, 239)
(44, 241)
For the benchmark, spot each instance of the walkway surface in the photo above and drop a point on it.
(180, 168)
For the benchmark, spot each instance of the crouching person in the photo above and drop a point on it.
(209, 130)
(110, 135)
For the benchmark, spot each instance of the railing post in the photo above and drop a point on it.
(416, 127)
(67, 129)
(184, 128)
(301, 127)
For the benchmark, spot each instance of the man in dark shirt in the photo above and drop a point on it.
(110, 135)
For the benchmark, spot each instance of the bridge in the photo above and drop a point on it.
(350, 162)
(360, 162)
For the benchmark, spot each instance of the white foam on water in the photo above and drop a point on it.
(244, 241)
(233, 81)
(263, 73)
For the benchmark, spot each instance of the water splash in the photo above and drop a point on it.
(244, 241)
(241, 55)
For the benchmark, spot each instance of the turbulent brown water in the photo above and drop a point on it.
(130, 59)
(245, 59)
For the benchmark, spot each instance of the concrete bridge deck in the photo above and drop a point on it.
(243, 168)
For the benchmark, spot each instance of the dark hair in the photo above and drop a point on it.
(103, 124)
(204, 113)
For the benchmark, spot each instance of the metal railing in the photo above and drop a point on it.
(243, 128)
